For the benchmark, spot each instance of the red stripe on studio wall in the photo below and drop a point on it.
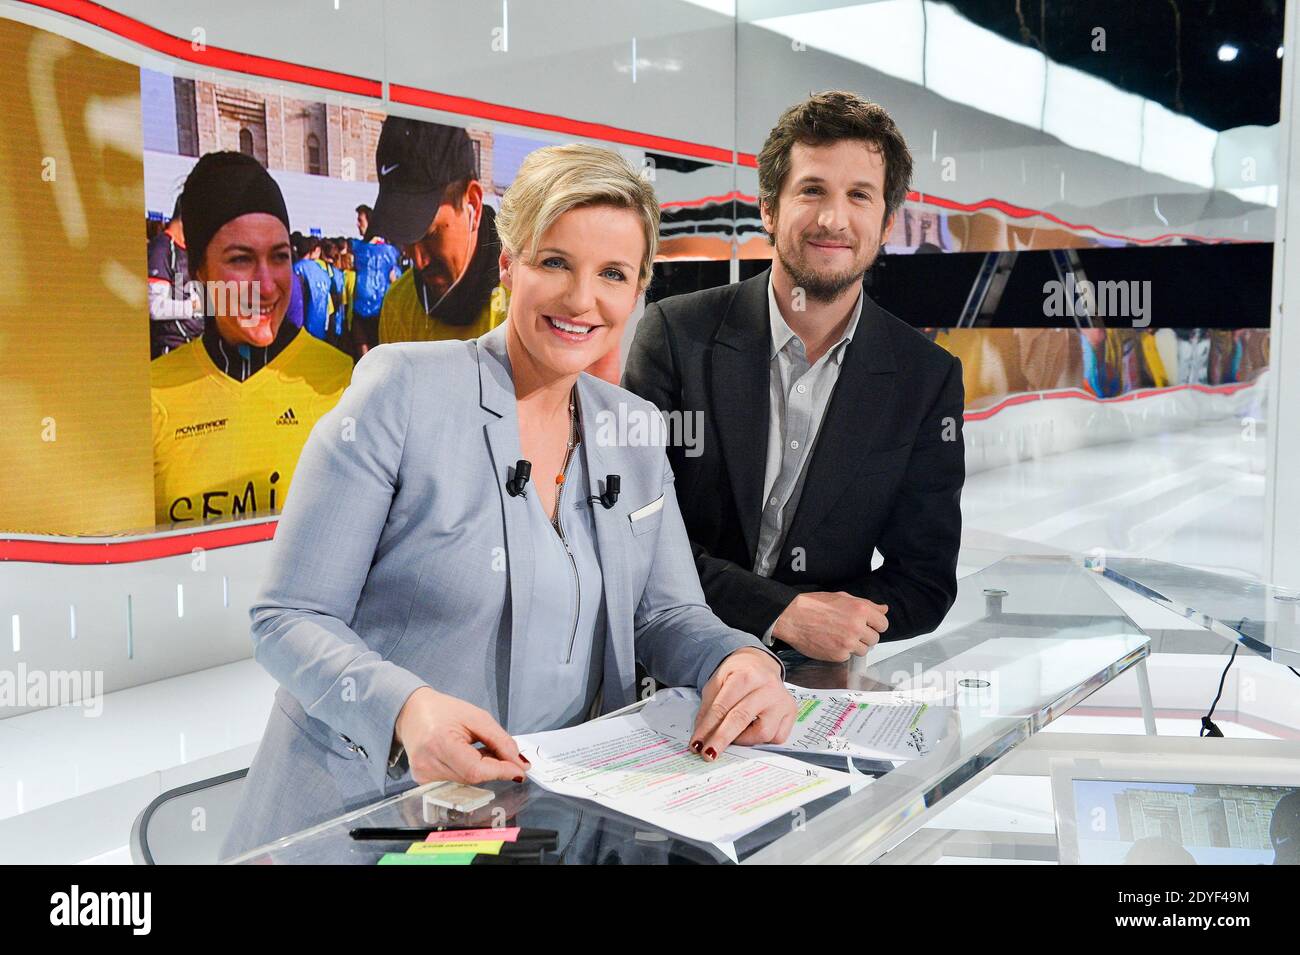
(1080, 394)
(466, 106)
(99, 551)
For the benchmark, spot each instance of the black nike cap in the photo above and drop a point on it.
(416, 161)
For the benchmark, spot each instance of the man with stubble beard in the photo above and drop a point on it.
(830, 428)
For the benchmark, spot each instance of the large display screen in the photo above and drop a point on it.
(1153, 823)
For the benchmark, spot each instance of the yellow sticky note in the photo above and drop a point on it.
(479, 846)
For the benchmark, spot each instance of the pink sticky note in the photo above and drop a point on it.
(463, 835)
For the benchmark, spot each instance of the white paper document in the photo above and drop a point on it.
(641, 765)
(871, 725)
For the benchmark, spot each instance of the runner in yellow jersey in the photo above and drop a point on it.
(407, 317)
(431, 205)
(233, 408)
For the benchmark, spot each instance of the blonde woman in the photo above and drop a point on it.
(421, 599)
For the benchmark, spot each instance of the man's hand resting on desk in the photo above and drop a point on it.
(744, 702)
(438, 733)
(831, 626)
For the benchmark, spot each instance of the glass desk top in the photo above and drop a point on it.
(1256, 615)
(1026, 639)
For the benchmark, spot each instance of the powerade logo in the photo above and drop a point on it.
(287, 418)
(200, 428)
(103, 908)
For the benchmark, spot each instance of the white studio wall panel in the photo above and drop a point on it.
(889, 35)
(973, 66)
(128, 630)
(1090, 114)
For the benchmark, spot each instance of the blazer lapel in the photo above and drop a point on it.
(612, 541)
(739, 391)
(497, 396)
(853, 425)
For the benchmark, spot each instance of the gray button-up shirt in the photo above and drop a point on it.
(798, 395)
(563, 646)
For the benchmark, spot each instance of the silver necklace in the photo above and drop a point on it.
(568, 454)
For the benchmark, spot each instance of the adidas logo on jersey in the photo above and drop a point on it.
(287, 418)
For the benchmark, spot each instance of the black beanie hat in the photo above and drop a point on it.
(221, 187)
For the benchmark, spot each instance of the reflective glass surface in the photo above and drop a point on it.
(1028, 638)
(1259, 616)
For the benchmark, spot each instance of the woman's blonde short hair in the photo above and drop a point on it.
(554, 179)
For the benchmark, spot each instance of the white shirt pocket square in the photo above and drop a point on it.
(646, 511)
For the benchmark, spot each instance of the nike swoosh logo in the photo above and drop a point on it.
(385, 170)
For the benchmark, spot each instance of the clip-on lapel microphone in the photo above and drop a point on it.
(610, 497)
(523, 471)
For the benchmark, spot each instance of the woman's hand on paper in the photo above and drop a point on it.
(438, 733)
(744, 702)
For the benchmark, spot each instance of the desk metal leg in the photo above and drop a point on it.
(1144, 694)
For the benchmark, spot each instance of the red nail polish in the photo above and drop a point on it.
(696, 745)
(525, 759)
(711, 753)
(519, 779)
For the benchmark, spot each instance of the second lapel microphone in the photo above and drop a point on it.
(610, 497)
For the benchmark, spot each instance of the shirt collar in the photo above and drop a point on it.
(241, 362)
(782, 333)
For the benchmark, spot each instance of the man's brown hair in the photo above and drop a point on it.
(825, 118)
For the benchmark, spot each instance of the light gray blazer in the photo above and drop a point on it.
(399, 549)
